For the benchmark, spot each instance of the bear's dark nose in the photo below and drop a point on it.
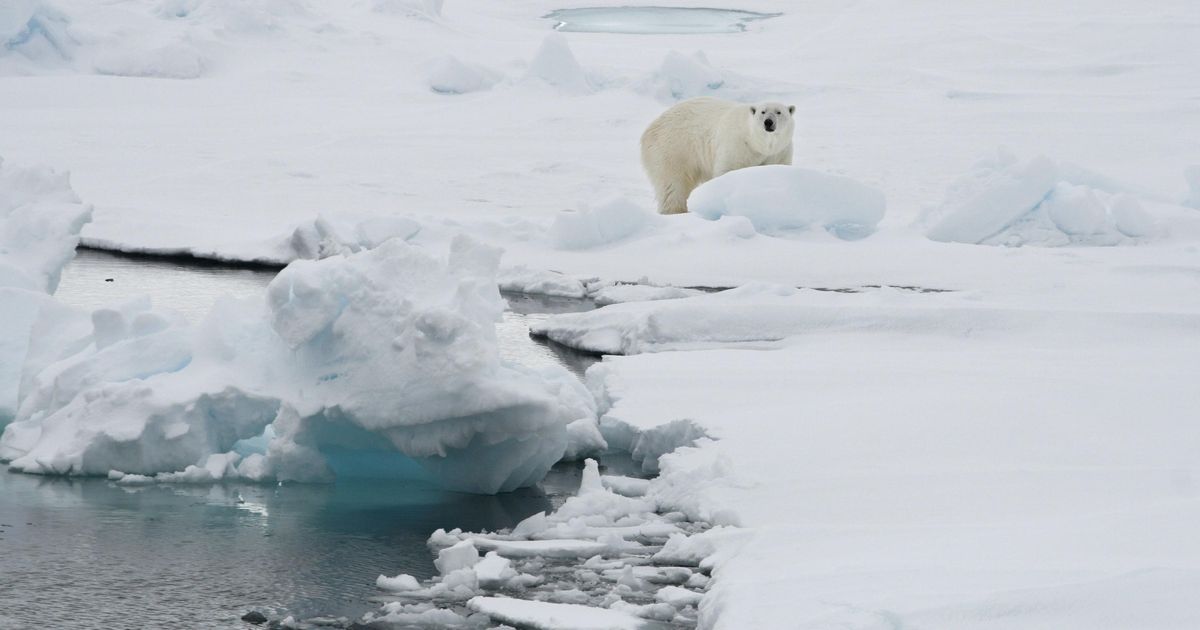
(769, 125)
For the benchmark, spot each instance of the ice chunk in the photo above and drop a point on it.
(1192, 175)
(683, 76)
(40, 221)
(555, 64)
(778, 198)
(449, 75)
(1076, 210)
(522, 279)
(493, 570)
(1007, 202)
(551, 616)
(583, 438)
(35, 30)
(991, 198)
(402, 582)
(621, 293)
(678, 597)
(1130, 218)
(626, 486)
(542, 548)
(607, 222)
(462, 555)
(438, 393)
(146, 393)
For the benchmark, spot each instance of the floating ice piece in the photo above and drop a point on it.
(522, 279)
(583, 438)
(402, 582)
(551, 616)
(626, 486)
(1192, 175)
(678, 597)
(622, 293)
(462, 555)
(494, 570)
(543, 548)
(777, 198)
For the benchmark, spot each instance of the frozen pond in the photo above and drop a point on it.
(88, 553)
(654, 20)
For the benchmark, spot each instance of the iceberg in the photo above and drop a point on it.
(378, 363)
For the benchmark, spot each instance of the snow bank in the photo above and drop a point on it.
(170, 61)
(607, 222)
(778, 198)
(1006, 201)
(382, 363)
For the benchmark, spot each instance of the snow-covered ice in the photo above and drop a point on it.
(363, 365)
(551, 616)
(1014, 449)
(778, 198)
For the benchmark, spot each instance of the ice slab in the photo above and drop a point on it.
(549, 616)
(654, 20)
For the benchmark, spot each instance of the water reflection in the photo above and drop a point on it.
(91, 553)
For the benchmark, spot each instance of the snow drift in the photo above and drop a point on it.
(1007, 201)
(777, 198)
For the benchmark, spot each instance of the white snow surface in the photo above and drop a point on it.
(1018, 453)
(921, 473)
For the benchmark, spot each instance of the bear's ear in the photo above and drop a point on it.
(753, 109)
(791, 109)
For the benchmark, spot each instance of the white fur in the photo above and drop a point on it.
(702, 138)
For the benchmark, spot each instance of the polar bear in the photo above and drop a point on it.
(702, 138)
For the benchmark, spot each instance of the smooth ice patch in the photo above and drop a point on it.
(654, 20)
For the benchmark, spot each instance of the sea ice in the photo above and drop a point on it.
(551, 616)
(146, 393)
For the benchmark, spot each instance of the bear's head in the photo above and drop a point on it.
(771, 126)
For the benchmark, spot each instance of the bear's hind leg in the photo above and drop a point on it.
(672, 197)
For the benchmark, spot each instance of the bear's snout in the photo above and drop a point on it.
(769, 125)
